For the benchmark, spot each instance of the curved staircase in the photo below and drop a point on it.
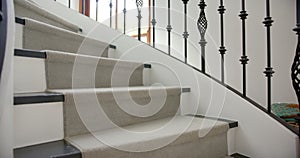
(73, 100)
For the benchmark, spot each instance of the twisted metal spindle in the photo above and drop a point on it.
(202, 27)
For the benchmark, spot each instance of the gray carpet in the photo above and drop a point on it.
(68, 70)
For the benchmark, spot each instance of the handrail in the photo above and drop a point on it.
(3, 32)
(202, 25)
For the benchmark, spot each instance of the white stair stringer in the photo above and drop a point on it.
(25, 8)
(68, 70)
(173, 137)
(90, 110)
(41, 36)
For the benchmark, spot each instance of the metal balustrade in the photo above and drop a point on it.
(202, 26)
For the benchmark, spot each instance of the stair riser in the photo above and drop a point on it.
(38, 123)
(95, 118)
(29, 75)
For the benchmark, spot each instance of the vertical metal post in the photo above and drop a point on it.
(69, 4)
(269, 70)
(82, 7)
(244, 59)
(202, 27)
(153, 21)
(169, 27)
(97, 6)
(124, 12)
(110, 13)
(185, 33)
(139, 5)
(222, 49)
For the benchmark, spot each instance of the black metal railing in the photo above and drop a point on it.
(3, 32)
(202, 25)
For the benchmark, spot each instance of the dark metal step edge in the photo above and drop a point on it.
(43, 55)
(232, 124)
(56, 149)
(39, 97)
(21, 21)
(237, 155)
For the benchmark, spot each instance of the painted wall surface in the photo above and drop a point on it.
(6, 91)
(258, 135)
(283, 40)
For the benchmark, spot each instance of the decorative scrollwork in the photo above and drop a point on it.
(139, 4)
(202, 21)
(296, 72)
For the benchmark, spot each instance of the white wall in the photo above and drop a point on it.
(283, 43)
(258, 135)
(6, 91)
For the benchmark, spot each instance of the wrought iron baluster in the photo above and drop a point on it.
(153, 21)
(139, 5)
(295, 69)
(97, 6)
(244, 59)
(202, 27)
(185, 33)
(110, 13)
(169, 27)
(82, 6)
(269, 70)
(124, 12)
(222, 47)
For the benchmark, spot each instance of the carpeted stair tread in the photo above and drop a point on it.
(41, 36)
(85, 109)
(25, 8)
(68, 70)
(141, 137)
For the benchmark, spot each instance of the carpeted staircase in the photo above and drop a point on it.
(107, 110)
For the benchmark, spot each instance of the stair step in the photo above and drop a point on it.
(25, 8)
(38, 97)
(67, 71)
(180, 136)
(120, 106)
(41, 36)
(29, 63)
(57, 149)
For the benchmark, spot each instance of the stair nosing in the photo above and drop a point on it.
(30, 53)
(37, 97)
(231, 123)
(73, 152)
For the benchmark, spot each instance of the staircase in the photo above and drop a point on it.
(73, 99)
